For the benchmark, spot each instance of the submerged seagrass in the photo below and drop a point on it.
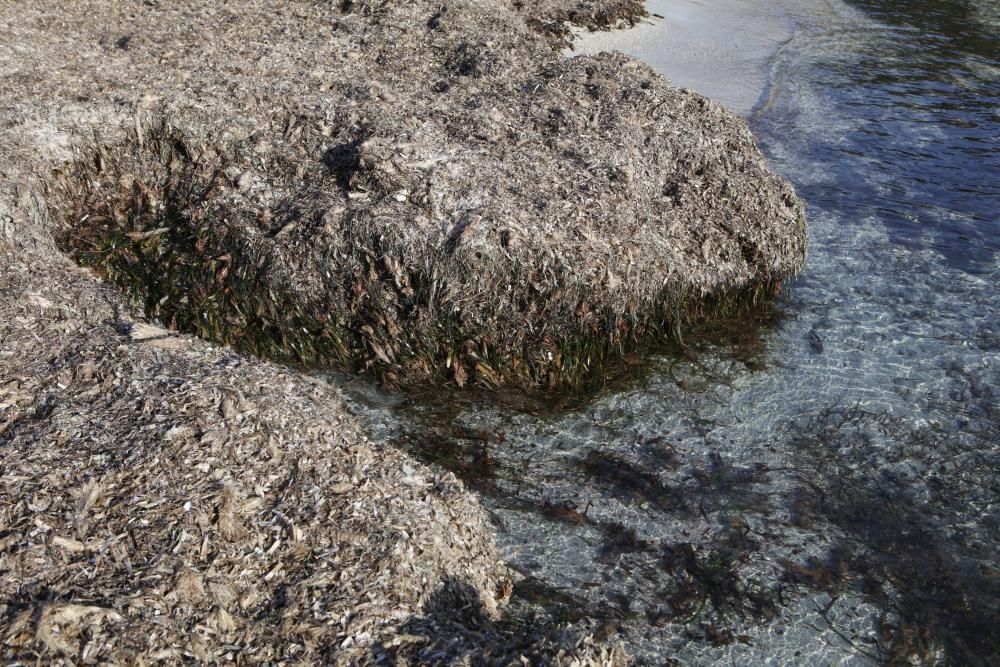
(427, 189)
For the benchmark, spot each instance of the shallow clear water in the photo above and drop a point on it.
(833, 495)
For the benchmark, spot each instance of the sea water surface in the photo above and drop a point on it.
(824, 488)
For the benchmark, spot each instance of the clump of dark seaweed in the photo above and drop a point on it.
(630, 483)
(718, 485)
(619, 540)
(932, 565)
(707, 585)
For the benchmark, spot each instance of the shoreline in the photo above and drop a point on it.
(688, 43)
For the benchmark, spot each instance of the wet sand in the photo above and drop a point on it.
(720, 49)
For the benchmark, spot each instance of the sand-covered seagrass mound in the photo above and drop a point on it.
(166, 501)
(427, 189)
